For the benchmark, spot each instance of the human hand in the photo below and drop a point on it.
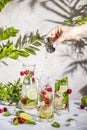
(62, 33)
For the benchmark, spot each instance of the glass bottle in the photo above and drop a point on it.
(61, 98)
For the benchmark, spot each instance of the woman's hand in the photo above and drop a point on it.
(61, 33)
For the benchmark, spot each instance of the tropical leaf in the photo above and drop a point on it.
(7, 33)
(3, 3)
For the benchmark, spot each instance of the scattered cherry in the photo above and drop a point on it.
(15, 118)
(5, 109)
(21, 121)
(26, 72)
(1, 110)
(69, 91)
(82, 106)
(22, 73)
(24, 101)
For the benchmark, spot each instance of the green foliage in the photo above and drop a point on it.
(3, 3)
(10, 92)
(25, 46)
(77, 21)
(7, 33)
(60, 82)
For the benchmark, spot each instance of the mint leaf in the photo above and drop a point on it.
(30, 122)
(55, 124)
(7, 114)
(65, 98)
(19, 112)
(69, 120)
(41, 98)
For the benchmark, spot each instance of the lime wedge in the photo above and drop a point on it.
(84, 100)
(26, 116)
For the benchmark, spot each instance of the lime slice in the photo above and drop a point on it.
(84, 100)
(32, 93)
(26, 116)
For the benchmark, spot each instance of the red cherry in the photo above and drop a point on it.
(46, 99)
(33, 80)
(47, 104)
(82, 106)
(32, 73)
(15, 118)
(21, 121)
(24, 101)
(69, 91)
(18, 117)
(22, 73)
(43, 92)
(5, 109)
(26, 72)
(1, 110)
(49, 89)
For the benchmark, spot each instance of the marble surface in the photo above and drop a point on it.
(79, 122)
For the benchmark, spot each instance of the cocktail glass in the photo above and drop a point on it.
(45, 102)
(61, 98)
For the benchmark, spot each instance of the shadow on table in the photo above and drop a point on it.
(83, 90)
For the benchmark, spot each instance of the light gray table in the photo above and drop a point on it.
(80, 122)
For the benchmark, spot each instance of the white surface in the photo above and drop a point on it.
(80, 122)
(27, 19)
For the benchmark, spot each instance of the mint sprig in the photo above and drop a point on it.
(60, 82)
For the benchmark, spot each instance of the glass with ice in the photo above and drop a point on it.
(45, 102)
(61, 98)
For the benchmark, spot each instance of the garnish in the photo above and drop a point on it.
(69, 120)
(5, 109)
(60, 82)
(84, 100)
(82, 106)
(1, 110)
(69, 91)
(7, 113)
(55, 124)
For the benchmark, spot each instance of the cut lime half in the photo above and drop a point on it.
(32, 93)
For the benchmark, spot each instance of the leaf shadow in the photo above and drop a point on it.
(77, 56)
(83, 90)
(68, 9)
